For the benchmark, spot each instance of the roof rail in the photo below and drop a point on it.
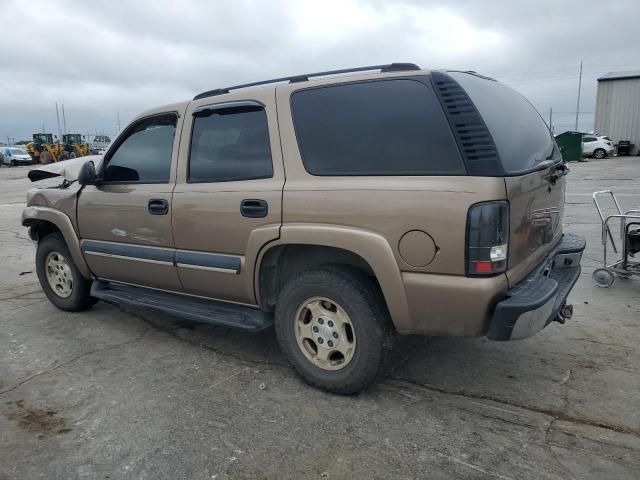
(391, 67)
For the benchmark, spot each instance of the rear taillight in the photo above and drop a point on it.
(487, 238)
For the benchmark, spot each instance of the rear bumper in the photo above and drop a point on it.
(539, 298)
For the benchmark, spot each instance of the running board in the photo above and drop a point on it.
(190, 308)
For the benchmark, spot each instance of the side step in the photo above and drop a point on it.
(190, 308)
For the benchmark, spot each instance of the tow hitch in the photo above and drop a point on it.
(565, 313)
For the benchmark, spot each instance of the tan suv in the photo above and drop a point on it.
(344, 209)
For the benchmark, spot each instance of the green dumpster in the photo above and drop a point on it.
(570, 144)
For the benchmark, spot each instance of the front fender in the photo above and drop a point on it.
(34, 214)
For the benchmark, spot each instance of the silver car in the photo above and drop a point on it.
(15, 156)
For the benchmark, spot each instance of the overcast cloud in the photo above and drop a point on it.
(104, 57)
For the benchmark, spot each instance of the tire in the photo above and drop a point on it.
(372, 333)
(79, 297)
(599, 153)
(45, 157)
(73, 155)
(14, 163)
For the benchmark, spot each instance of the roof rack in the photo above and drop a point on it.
(391, 67)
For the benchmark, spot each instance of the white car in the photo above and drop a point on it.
(15, 156)
(596, 146)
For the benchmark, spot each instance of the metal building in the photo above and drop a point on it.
(618, 107)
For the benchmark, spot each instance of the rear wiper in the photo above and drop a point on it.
(544, 165)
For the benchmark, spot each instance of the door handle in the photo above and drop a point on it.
(158, 206)
(254, 208)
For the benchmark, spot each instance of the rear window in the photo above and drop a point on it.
(521, 136)
(385, 127)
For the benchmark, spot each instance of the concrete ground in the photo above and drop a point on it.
(132, 394)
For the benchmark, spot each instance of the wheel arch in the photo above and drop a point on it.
(301, 247)
(43, 221)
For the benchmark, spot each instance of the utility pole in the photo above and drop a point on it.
(579, 88)
(551, 119)
(58, 118)
(118, 118)
(64, 121)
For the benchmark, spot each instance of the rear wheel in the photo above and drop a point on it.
(61, 281)
(334, 328)
(599, 153)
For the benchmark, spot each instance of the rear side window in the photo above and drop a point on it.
(589, 139)
(521, 136)
(230, 144)
(387, 127)
(145, 154)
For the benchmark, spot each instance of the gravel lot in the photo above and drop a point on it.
(133, 394)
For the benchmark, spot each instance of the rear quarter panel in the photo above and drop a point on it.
(389, 206)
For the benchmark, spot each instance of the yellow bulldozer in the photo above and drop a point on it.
(73, 146)
(43, 150)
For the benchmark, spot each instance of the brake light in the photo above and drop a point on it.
(487, 238)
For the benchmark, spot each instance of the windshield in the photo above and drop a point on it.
(18, 151)
(522, 137)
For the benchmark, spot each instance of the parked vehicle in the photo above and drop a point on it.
(415, 202)
(15, 156)
(73, 146)
(43, 149)
(597, 146)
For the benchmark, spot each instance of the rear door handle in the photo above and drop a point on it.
(254, 208)
(158, 206)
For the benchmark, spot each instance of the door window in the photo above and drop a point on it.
(145, 154)
(230, 144)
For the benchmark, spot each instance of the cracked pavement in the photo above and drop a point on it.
(127, 393)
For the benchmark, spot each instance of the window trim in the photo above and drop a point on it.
(113, 148)
(422, 79)
(224, 106)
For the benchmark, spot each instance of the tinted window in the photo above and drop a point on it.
(145, 154)
(390, 127)
(522, 137)
(588, 139)
(230, 144)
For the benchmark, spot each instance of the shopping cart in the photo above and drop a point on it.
(624, 267)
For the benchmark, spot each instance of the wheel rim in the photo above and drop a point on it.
(59, 274)
(325, 333)
(603, 277)
(599, 154)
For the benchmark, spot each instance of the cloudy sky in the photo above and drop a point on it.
(110, 57)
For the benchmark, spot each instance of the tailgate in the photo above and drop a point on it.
(536, 210)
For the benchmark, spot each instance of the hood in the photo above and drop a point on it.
(68, 169)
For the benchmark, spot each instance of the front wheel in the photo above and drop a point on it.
(334, 328)
(61, 281)
(599, 153)
(45, 157)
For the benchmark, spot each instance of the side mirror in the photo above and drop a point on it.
(87, 174)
